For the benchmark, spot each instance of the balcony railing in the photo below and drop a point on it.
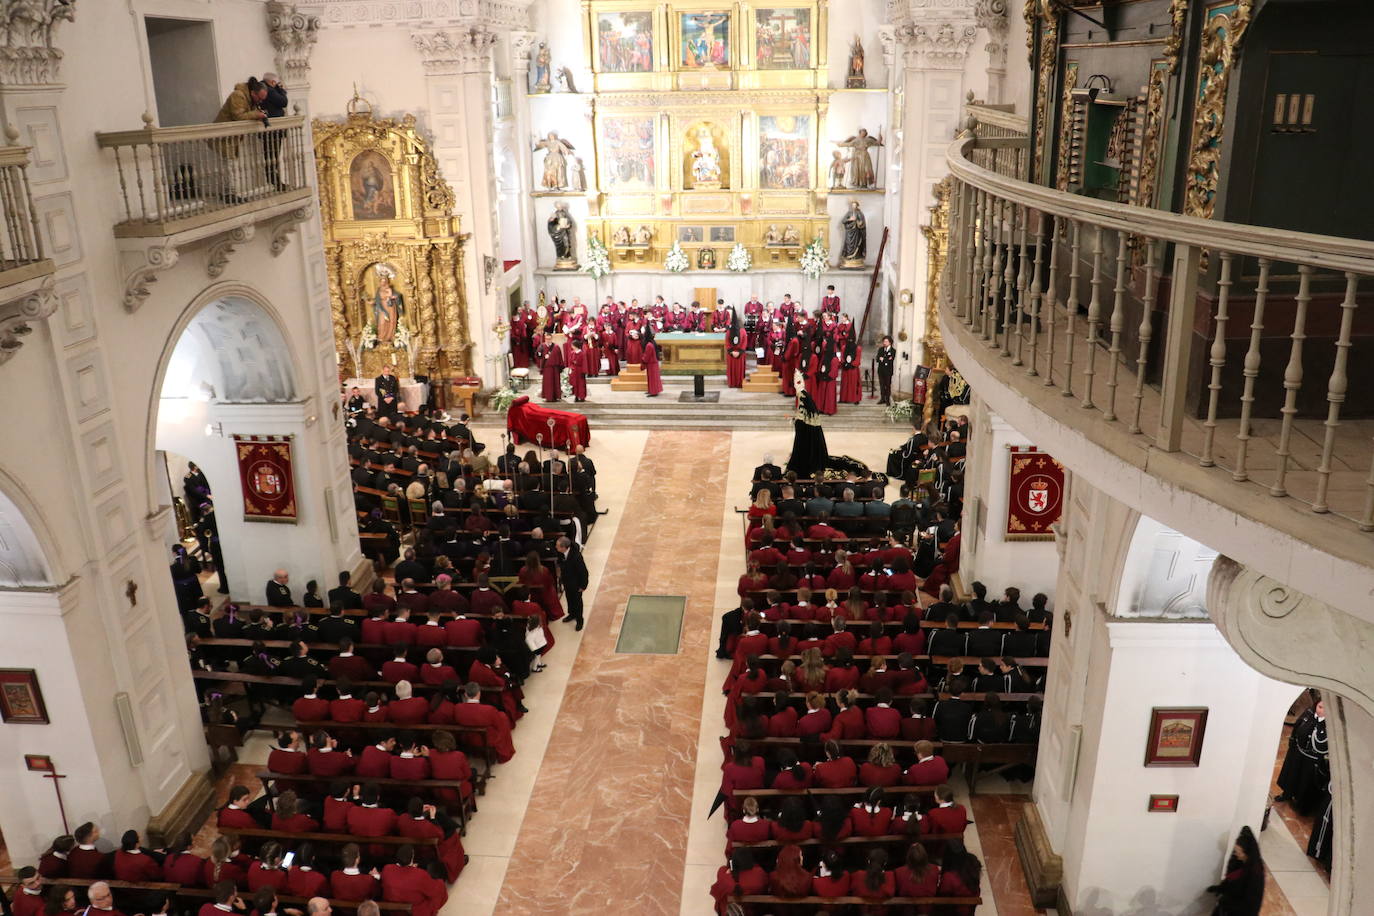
(21, 245)
(1003, 138)
(173, 179)
(1113, 305)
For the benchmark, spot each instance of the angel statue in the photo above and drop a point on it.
(556, 151)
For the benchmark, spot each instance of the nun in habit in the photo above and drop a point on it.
(809, 453)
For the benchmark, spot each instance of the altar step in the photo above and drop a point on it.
(631, 378)
(667, 412)
(763, 378)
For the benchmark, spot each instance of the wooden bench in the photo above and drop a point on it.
(831, 902)
(885, 840)
(488, 754)
(972, 755)
(198, 893)
(269, 680)
(305, 779)
(290, 839)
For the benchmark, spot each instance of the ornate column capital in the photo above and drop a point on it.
(522, 45)
(28, 54)
(446, 52)
(293, 35)
(991, 15)
(940, 45)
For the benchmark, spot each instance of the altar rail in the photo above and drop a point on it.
(172, 179)
(21, 244)
(1039, 278)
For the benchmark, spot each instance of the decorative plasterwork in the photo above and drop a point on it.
(454, 51)
(28, 55)
(522, 45)
(1223, 28)
(745, 99)
(942, 45)
(217, 256)
(281, 229)
(18, 314)
(141, 269)
(497, 14)
(1152, 141)
(293, 35)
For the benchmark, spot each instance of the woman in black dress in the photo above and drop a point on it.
(809, 453)
(1241, 890)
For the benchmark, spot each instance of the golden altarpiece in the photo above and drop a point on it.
(709, 123)
(393, 248)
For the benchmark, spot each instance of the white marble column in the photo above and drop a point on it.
(928, 60)
(522, 45)
(992, 17)
(458, 80)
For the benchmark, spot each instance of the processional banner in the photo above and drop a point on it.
(269, 491)
(1036, 494)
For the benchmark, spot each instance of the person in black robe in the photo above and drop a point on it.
(1241, 890)
(809, 453)
(185, 580)
(1305, 772)
(388, 389)
(195, 488)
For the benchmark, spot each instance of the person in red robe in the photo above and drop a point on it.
(652, 374)
(53, 863)
(235, 814)
(960, 876)
(133, 863)
(28, 901)
(85, 861)
(370, 818)
(405, 882)
(226, 900)
(486, 671)
(609, 353)
(550, 367)
(181, 866)
(290, 818)
(851, 368)
(579, 358)
(520, 331)
(423, 822)
(351, 882)
(447, 762)
(634, 345)
(302, 880)
(734, 356)
(407, 709)
(472, 712)
(827, 366)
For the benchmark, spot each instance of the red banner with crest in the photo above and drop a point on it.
(269, 491)
(1036, 494)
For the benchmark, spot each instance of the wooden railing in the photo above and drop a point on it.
(21, 245)
(1004, 138)
(1070, 289)
(177, 178)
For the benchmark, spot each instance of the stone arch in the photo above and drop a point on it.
(244, 343)
(28, 557)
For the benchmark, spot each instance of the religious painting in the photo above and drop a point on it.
(690, 234)
(21, 702)
(369, 179)
(706, 157)
(722, 233)
(785, 151)
(625, 42)
(1175, 738)
(782, 38)
(705, 39)
(269, 491)
(1037, 494)
(627, 145)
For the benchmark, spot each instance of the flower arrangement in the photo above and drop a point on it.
(369, 336)
(598, 258)
(501, 399)
(900, 411)
(739, 260)
(676, 261)
(815, 259)
(565, 384)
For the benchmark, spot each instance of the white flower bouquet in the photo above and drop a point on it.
(676, 261)
(739, 260)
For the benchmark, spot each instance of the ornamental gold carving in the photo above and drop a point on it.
(936, 233)
(1049, 58)
(1063, 165)
(1223, 28)
(1152, 141)
(391, 247)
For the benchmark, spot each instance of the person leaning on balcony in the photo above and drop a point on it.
(245, 102)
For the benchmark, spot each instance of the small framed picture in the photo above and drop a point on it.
(40, 763)
(1175, 738)
(686, 234)
(1162, 804)
(21, 702)
(722, 233)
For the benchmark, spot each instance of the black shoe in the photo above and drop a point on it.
(570, 620)
(722, 655)
(579, 624)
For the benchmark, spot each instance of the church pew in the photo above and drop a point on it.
(291, 840)
(287, 613)
(412, 787)
(884, 840)
(971, 754)
(770, 902)
(941, 660)
(384, 729)
(199, 893)
(967, 696)
(858, 626)
(383, 687)
(331, 648)
(764, 794)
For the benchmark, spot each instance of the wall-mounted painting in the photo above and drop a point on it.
(705, 38)
(691, 234)
(627, 145)
(369, 179)
(782, 38)
(785, 151)
(625, 42)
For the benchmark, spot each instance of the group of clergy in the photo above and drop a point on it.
(822, 345)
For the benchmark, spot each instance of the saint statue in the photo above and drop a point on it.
(388, 306)
(772, 236)
(790, 236)
(622, 237)
(837, 166)
(556, 152)
(861, 172)
(855, 79)
(643, 235)
(543, 68)
(855, 228)
(561, 232)
(578, 175)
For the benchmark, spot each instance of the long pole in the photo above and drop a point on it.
(873, 283)
(61, 808)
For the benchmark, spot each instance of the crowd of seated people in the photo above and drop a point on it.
(415, 473)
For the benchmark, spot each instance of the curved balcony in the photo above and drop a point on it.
(1211, 360)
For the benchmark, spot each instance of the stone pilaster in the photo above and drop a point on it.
(293, 35)
(992, 17)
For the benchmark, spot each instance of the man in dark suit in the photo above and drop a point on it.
(344, 596)
(885, 358)
(573, 573)
(279, 590)
(388, 389)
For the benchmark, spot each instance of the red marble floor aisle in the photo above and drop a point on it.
(607, 823)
